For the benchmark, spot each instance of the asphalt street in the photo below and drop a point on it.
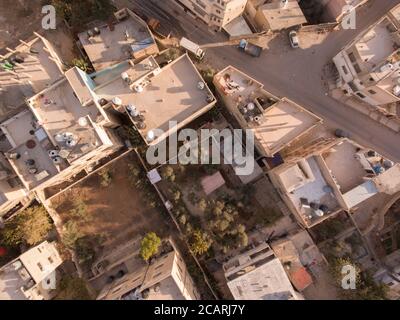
(296, 74)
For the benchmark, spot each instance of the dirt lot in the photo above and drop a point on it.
(111, 214)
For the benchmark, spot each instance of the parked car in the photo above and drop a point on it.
(294, 39)
(249, 48)
(340, 133)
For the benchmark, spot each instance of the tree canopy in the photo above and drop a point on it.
(149, 246)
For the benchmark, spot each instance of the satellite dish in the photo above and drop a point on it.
(201, 85)
(82, 121)
(57, 160)
(250, 106)
(53, 153)
(150, 135)
(71, 142)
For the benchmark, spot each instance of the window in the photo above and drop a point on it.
(40, 266)
(50, 259)
(360, 95)
(357, 68)
(371, 91)
(345, 70)
(159, 266)
(157, 275)
(352, 57)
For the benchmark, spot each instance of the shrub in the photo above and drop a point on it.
(73, 288)
(200, 242)
(105, 177)
(202, 205)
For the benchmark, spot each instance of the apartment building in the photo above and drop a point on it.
(32, 275)
(257, 274)
(127, 37)
(331, 175)
(26, 70)
(65, 130)
(215, 13)
(165, 278)
(275, 122)
(274, 15)
(369, 67)
(159, 101)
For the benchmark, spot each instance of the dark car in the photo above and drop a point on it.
(340, 133)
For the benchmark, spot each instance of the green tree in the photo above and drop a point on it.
(82, 64)
(200, 242)
(202, 205)
(149, 246)
(30, 227)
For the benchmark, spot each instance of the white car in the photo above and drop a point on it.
(294, 39)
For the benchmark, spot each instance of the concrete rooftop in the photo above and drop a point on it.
(111, 47)
(59, 111)
(27, 139)
(38, 71)
(168, 94)
(378, 44)
(280, 121)
(282, 18)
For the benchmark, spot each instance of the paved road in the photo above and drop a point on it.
(292, 73)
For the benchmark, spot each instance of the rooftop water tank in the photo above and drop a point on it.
(117, 101)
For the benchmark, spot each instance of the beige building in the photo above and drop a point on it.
(36, 66)
(159, 101)
(257, 274)
(32, 275)
(128, 37)
(276, 122)
(275, 15)
(332, 175)
(166, 278)
(369, 67)
(215, 13)
(64, 131)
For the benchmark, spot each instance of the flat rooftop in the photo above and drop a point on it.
(378, 43)
(344, 166)
(168, 94)
(31, 143)
(275, 122)
(282, 18)
(35, 71)
(60, 112)
(265, 282)
(112, 44)
(282, 123)
(312, 190)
